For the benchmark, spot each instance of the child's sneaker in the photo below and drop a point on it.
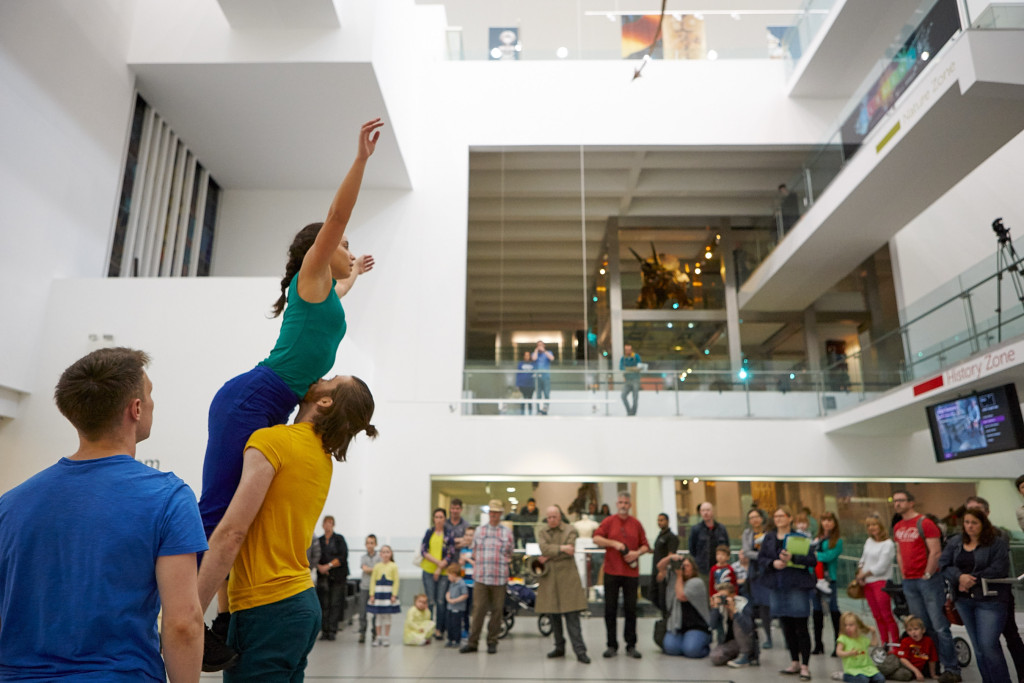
(387, 642)
(824, 586)
(376, 642)
(739, 662)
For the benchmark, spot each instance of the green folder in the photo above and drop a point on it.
(797, 544)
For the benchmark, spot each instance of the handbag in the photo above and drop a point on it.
(855, 590)
(417, 559)
(886, 661)
(952, 615)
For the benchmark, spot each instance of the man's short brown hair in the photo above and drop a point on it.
(95, 390)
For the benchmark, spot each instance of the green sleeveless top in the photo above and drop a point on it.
(309, 338)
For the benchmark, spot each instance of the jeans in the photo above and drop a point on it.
(926, 598)
(628, 585)
(984, 621)
(631, 386)
(695, 644)
(861, 678)
(543, 391)
(455, 626)
(435, 590)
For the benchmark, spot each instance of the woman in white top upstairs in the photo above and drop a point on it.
(873, 570)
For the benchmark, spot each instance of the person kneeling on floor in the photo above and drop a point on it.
(739, 648)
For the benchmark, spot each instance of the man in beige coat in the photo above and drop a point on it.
(560, 591)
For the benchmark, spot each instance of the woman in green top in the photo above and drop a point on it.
(829, 547)
(319, 272)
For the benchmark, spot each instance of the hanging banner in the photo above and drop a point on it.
(681, 38)
(938, 26)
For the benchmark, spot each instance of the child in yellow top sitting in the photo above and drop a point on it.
(418, 624)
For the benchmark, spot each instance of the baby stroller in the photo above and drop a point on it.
(518, 597)
(901, 609)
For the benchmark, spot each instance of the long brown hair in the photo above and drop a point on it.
(296, 252)
(988, 532)
(833, 537)
(350, 412)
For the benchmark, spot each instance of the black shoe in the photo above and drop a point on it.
(217, 656)
(467, 648)
(632, 652)
(220, 625)
(331, 636)
(324, 636)
(610, 652)
(362, 637)
(583, 658)
(492, 648)
(819, 649)
(554, 654)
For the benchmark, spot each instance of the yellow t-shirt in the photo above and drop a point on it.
(436, 548)
(271, 565)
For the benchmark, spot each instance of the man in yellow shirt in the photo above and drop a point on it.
(262, 538)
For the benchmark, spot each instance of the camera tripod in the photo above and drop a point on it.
(1007, 261)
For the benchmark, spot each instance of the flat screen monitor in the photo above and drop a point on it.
(987, 421)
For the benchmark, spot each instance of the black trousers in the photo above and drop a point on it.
(332, 602)
(798, 638)
(628, 586)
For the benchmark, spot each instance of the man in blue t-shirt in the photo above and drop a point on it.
(630, 366)
(542, 358)
(94, 545)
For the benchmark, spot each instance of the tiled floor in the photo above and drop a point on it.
(521, 657)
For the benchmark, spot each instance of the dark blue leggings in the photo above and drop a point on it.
(251, 401)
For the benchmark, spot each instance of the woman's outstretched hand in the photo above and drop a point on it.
(368, 136)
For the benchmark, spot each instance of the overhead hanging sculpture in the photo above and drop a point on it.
(663, 279)
(654, 43)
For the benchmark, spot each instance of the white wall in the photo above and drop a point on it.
(955, 232)
(407, 317)
(67, 98)
(201, 332)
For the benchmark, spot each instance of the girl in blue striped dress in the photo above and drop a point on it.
(384, 595)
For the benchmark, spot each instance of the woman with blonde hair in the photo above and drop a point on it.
(873, 570)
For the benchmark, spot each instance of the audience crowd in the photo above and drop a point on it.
(787, 569)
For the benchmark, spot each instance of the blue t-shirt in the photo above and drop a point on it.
(78, 548)
(467, 569)
(543, 363)
(524, 378)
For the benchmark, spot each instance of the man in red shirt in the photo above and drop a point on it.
(623, 538)
(918, 548)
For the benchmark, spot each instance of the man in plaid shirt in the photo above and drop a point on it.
(492, 551)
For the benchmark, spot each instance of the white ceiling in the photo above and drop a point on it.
(278, 126)
(529, 251)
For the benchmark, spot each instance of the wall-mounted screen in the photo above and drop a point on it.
(984, 422)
